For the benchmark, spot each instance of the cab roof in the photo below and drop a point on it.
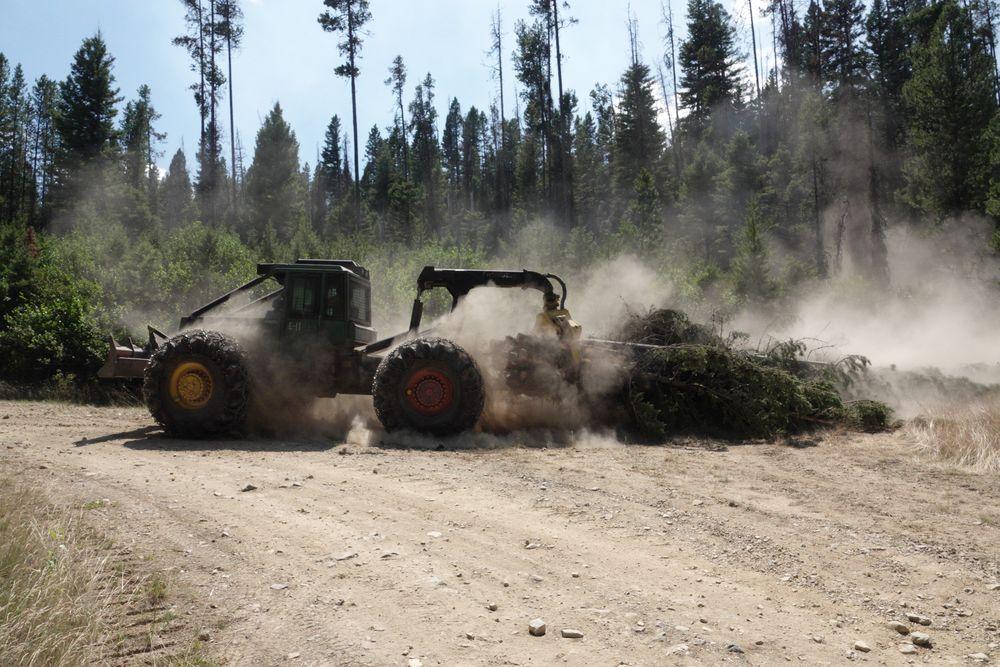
(316, 266)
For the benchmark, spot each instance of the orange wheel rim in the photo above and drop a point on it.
(429, 392)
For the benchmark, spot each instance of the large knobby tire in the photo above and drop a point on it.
(429, 385)
(197, 385)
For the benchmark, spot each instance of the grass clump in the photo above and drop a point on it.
(967, 435)
(63, 600)
(52, 610)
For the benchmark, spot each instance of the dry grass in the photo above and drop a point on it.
(52, 608)
(967, 435)
(64, 596)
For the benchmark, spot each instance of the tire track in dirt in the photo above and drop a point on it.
(392, 554)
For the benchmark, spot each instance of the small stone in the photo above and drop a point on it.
(818, 639)
(921, 639)
(978, 657)
(678, 649)
(492, 606)
(469, 635)
(278, 587)
(901, 628)
(570, 633)
(537, 578)
(204, 636)
(414, 662)
(759, 642)
(536, 628)
(907, 649)
(434, 533)
(248, 487)
(995, 587)
(862, 646)
(347, 555)
(734, 648)
(575, 575)
(292, 656)
(917, 618)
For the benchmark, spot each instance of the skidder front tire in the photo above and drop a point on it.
(429, 385)
(197, 385)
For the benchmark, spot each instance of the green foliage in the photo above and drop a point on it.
(710, 60)
(711, 389)
(868, 416)
(700, 383)
(274, 190)
(47, 320)
(951, 100)
(37, 340)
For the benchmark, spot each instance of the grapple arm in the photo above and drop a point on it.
(459, 282)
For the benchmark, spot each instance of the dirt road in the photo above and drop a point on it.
(697, 553)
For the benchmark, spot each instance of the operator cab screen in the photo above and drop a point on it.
(360, 303)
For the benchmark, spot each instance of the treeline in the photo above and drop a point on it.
(741, 183)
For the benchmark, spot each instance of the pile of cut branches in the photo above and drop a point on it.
(697, 382)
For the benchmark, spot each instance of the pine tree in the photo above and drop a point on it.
(397, 81)
(950, 102)
(844, 62)
(204, 41)
(738, 182)
(426, 152)
(709, 61)
(377, 175)
(473, 128)
(531, 65)
(589, 170)
(751, 279)
(811, 43)
(15, 174)
(139, 143)
(274, 194)
(176, 197)
(331, 172)
(349, 17)
(44, 145)
(230, 27)
(638, 136)
(88, 138)
(451, 153)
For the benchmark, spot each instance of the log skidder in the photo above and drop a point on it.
(314, 326)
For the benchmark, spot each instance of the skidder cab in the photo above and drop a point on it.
(311, 321)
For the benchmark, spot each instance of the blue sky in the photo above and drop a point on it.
(286, 57)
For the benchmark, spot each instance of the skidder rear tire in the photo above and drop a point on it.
(197, 385)
(429, 385)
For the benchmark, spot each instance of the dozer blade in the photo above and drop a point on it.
(124, 362)
(129, 361)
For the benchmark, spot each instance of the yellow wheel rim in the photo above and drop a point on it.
(191, 385)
